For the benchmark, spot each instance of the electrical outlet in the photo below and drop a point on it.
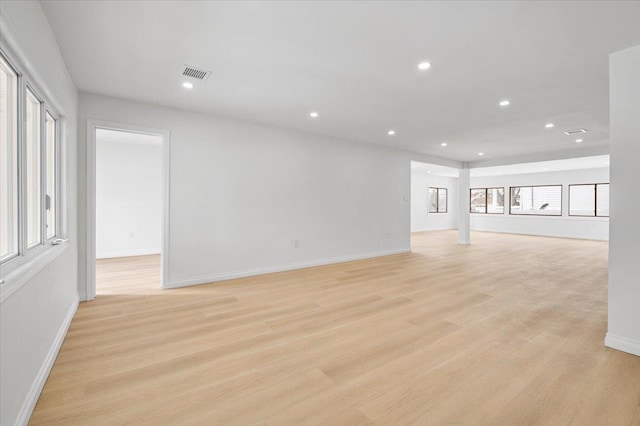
(296, 244)
(131, 235)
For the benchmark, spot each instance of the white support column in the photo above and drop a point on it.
(464, 218)
(624, 228)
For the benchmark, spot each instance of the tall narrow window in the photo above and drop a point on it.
(433, 200)
(33, 141)
(478, 201)
(8, 161)
(495, 200)
(442, 200)
(51, 195)
(602, 199)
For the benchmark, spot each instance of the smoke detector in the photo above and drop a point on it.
(197, 73)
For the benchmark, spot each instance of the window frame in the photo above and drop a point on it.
(18, 184)
(533, 214)
(446, 203)
(24, 166)
(486, 197)
(27, 262)
(595, 199)
(57, 173)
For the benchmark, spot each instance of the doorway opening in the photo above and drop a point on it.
(127, 209)
(434, 190)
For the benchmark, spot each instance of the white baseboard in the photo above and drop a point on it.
(622, 344)
(279, 268)
(36, 387)
(433, 229)
(572, 237)
(127, 253)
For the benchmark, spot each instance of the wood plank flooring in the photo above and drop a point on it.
(507, 331)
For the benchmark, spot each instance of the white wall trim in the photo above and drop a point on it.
(280, 268)
(622, 344)
(90, 206)
(127, 253)
(41, 378)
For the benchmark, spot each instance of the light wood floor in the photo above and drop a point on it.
(508, 331)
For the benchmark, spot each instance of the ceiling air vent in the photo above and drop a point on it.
(575, 131)
(196, 73)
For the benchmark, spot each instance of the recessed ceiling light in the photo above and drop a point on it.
(391, 132)
(187, 85)
(549, 125)
(424, 66)
(579, 140)
(481, 154)
(313, 114)
(504, 103)
(443, 144)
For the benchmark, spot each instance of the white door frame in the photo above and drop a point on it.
(92, 126)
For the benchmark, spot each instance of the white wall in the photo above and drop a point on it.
(624, 248)
(595, 228)
(33, 319)
(243, 193)
(128, 194)
(421, 219)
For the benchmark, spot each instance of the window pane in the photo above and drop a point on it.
(495, 200)
(582, 200)
(51, 197)
(442, 200)
(433, 200)
(478, 200)
(536, 200)
(33, 167)
(8, 161)
(602, 208)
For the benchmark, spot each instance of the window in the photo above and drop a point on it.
(487, 200)
(543, 200)
(51, 174)
(602, 199)
(437, 200)
(8, 161)
(29, 172)
(589, 200)
(33, 176)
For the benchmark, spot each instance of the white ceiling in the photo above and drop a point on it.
(355, 63)
(433, 169)
(593, 162)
